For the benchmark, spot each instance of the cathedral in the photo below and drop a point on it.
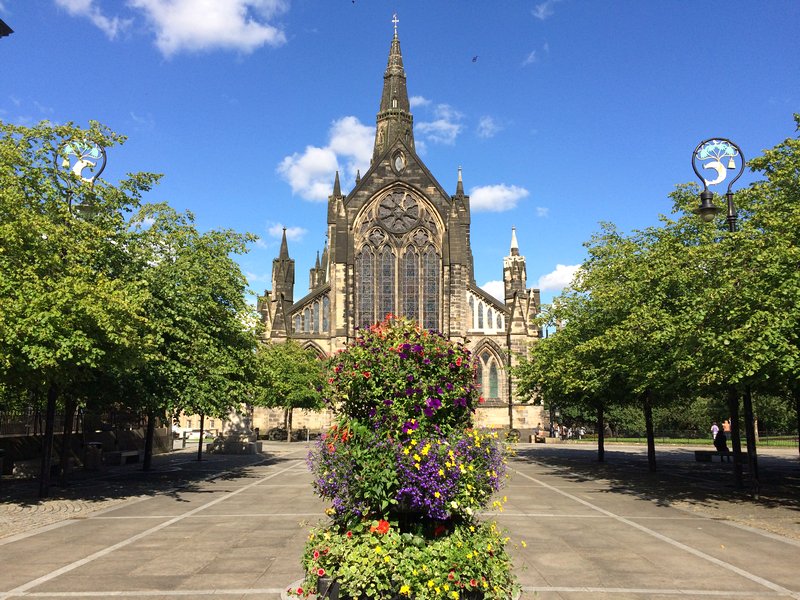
(399, 243)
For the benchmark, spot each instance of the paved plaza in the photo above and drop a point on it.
(233, 527)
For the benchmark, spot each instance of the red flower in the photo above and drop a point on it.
(439, 530)
(458, 361)
(451, 576)
(473, 583)
(481, 400)
(299, 591)
(316, 554)
(382, 527)
(366, 374)
(349, 534)
(320, 572)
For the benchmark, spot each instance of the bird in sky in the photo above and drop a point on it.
(475, 58)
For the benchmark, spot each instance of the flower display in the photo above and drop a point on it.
(406, 474)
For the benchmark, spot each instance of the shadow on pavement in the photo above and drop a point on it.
(678, 477)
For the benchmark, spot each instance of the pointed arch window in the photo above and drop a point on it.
(315, 318)
(499, 321)
(366, 288)
(326, 313)
(431, 272)
(298, 324)
(493, 392)
(480, 315)
(471, 316)
(306, 320)
(386, 270)
(410, 285)
(489, 319)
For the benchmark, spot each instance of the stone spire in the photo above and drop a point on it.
(460, 184)
(394, 119)
(284, 252)
(337, 189)
(514, 243)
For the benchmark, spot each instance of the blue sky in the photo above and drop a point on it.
(574, 112)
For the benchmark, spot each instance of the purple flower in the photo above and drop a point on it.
(434, 403)
(410, 378)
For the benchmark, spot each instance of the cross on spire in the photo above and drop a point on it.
(395, 20)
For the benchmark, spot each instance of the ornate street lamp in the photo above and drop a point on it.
(73, 160)
(721, 155)
(718, 155)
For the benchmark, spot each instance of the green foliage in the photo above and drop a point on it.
(288, 376)
(683, 309)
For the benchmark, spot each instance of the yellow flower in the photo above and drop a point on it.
(437, 494)
(417, 457)
(454, 595)
(489, 547)
(441, 472)
(406, 451)
(524, 545)
(405, 590)
(430, 583)
(386, 559)
(446, 586)
(378, 549)
(505, 498)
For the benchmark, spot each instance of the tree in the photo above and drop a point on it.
(288, 376)
(66, 310)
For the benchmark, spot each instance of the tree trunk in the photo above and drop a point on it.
(752, 457)
(651, 438)
(148, 441)
(66, 440)
(736, 443)
(796, 394)
(289, 424)
(47, 442)
(601, 436)
(200, 442)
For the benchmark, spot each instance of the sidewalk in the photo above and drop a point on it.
(234, 527)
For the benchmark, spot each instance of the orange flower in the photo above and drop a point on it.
(382, 527)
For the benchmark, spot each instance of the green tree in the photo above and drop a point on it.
(288, 376)
(66, 311)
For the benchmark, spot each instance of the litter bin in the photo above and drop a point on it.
(94, 456)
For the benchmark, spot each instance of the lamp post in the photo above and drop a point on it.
(721, 155)
(71, 160)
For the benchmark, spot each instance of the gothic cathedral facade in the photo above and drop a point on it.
(399, 244)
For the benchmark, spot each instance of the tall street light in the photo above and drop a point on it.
(720, 155)
(72, 160)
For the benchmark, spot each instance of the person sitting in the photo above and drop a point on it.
(721, 444)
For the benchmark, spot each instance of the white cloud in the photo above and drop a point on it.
(495, 288)
(557, 280)
(444, 128)
(292, 233)
(487, 127)
(198, 25)
(496, 198)
(311, 173)
(415, 101)
(530, 59)
(542, 211)
(255, 277)
(543, 10)
(87, 9)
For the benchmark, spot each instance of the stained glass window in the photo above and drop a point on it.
(493, 381)
(306, 320)
(315, 318)
(471, 312)
(489, 319)
(411, 285)
(366, 288)
(431, 292)
(499, 321)
(479, 377)
(326, 313)
(480, 315)
(386, 284)
(298, 327)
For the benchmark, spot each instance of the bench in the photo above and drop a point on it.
(538, 439)
(121, 457)
(707, 455)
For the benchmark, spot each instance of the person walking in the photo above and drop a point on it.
(714, 430)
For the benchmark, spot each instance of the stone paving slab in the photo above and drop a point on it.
(234, 527)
